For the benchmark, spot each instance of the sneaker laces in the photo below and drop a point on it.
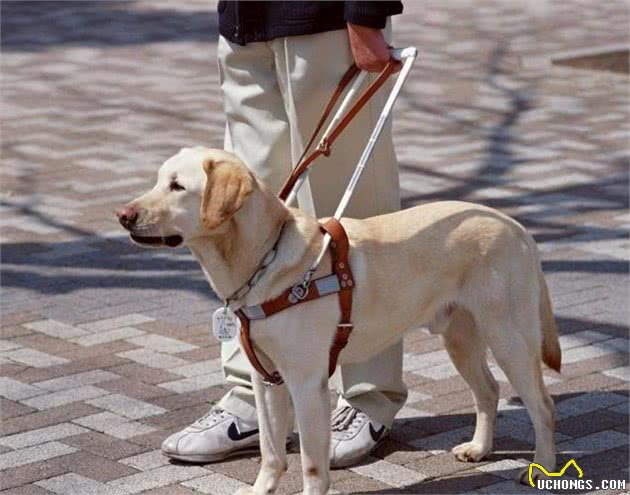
(212, 417)
(345, 421)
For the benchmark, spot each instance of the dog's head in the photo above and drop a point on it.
(197, 191)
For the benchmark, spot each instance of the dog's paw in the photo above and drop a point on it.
(523, 477)
(470, 452)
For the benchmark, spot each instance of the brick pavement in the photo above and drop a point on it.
(105, 347)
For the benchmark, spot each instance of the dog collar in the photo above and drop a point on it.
(258, 273)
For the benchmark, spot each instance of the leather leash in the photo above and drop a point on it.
(305, 162)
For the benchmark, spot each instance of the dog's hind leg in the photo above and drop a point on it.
(275, 417)
(517, 350)
(468, 353)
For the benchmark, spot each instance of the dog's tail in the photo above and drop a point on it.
(551, 353)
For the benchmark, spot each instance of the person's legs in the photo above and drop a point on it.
(309, 68)
(257, 131)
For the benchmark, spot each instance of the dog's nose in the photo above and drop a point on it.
(127, 216)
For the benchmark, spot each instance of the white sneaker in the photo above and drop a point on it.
(214, 437)
(353, 436)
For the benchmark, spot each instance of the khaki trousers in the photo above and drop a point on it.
(274, 93)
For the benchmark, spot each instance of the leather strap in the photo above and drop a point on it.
(352, 71)
(246, 341)
(340, 247)
(305, 162)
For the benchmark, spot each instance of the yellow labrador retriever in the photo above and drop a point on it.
(465, 271)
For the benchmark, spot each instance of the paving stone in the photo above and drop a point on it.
(62, 397)
(28, 473)
(76, 380)
(126, 406)
(48, 417)
(587, 403)
(194, 383)
(115, 425)
(579, 339)
(153, 359)
(623, 408)
(511, 487)
(443, 442)
(577, 426)
(244, 469)
(41, 435)
(593, 443)
(437, 466)
(34, 454)
(55, 329)
(104, 445)
(172, 490)
(623, 373)
(389, 473)
(116, 322)
(144, 374)
(49, 345)
(506, 468)
(606, 464)
(593, 350)
(215, 484)
(102, 362)
(135, 389)
(11, 409)
(427, 360)
(499, 375)
(103, 337)
(146, 461)
(7, 345)
(524, 431)
(26, 490)
(587, 383)
(199, 368)
(32, 357)
(165, 475)
(16, 390)
(178, 402)
(77, 485)
(159, 343)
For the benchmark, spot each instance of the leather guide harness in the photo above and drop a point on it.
(340, 282)
(335, 237)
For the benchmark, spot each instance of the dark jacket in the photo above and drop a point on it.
(243, 22)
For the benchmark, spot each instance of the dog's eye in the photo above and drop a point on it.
(176, 186)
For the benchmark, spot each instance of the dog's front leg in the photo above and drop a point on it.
(274, 420)
(312, 408)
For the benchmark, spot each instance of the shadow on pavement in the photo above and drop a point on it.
(35, 26)
(505, 448)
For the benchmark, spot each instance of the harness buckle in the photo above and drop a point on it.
(324, 147)
(298, 293)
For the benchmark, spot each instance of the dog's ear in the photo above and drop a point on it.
(226, 189)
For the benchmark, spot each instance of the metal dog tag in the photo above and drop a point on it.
(225, 324)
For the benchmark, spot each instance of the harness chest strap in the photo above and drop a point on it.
(341, 282)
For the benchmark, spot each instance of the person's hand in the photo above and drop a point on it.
(369, 48)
